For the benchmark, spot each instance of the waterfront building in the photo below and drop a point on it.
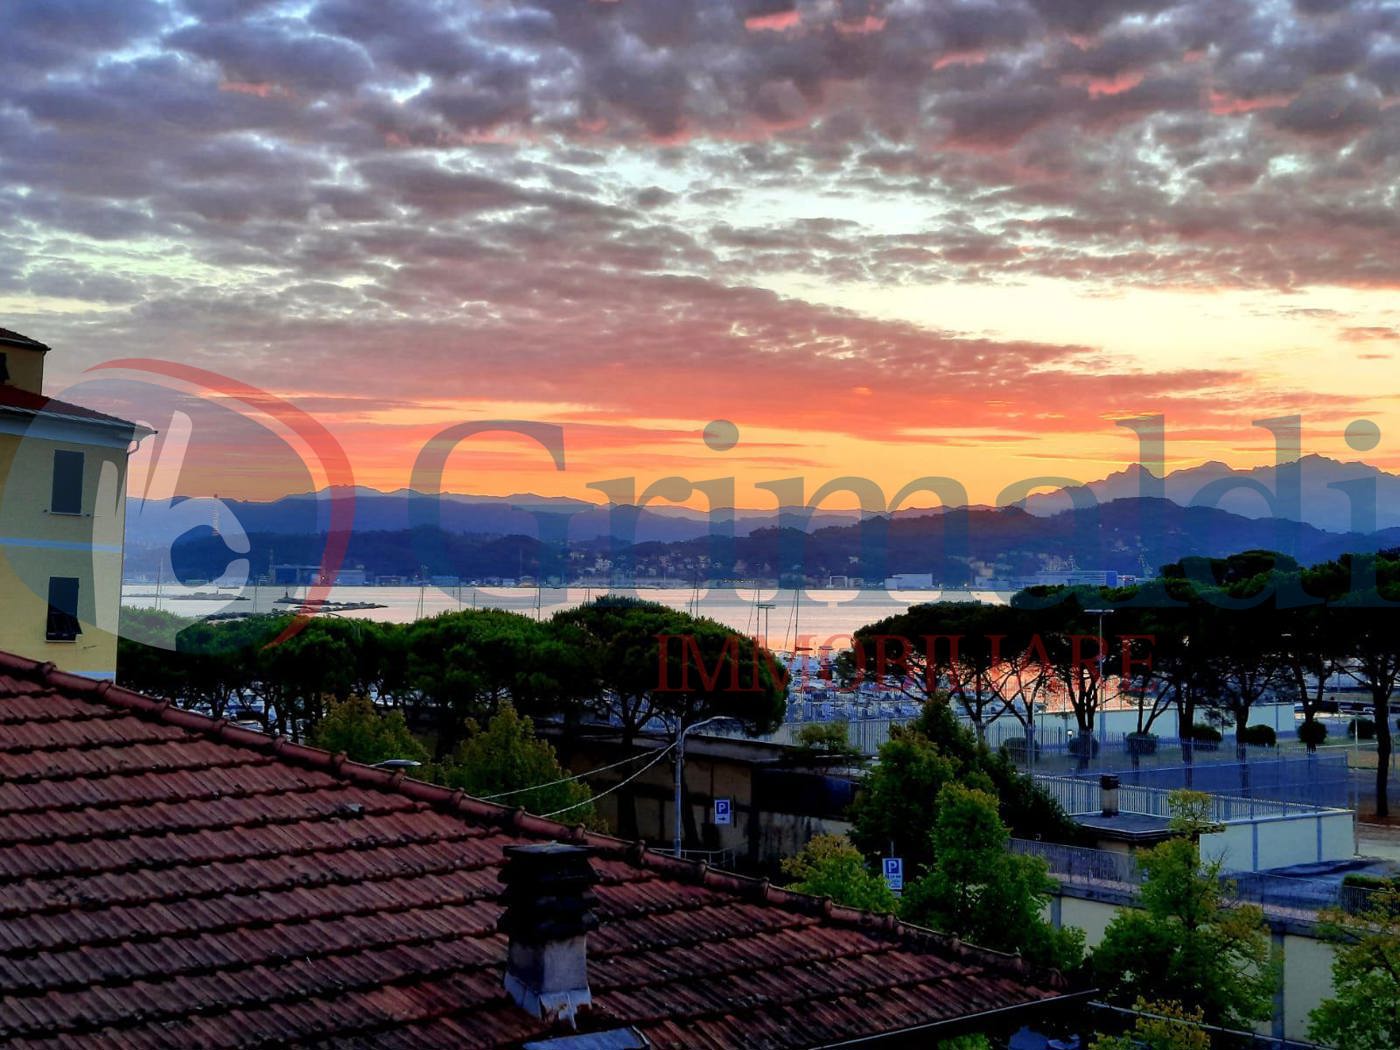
(63, 471)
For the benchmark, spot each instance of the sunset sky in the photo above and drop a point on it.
(888, 239)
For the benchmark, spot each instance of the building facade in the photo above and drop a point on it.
(62, 518)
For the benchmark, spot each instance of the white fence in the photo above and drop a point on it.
(1077, 864)
(1254, 834)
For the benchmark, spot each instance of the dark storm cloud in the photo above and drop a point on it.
(491, 179)
(44, 34)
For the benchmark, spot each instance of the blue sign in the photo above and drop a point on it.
(894, 873)
(724, 813)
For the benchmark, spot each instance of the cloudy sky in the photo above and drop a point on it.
(884, 237)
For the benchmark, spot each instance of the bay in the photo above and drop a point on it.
(813, 620)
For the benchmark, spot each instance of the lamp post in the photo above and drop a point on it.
(680, 773)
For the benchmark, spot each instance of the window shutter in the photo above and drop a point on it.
(67, 483)
(63, 609)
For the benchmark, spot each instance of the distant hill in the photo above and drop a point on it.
(374, 511)
(1322, 503)
(956, 546)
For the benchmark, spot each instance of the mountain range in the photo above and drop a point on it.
(1332, 496)
(958, 547)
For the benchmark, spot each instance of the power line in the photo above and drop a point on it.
(620, 784)
(563, 780)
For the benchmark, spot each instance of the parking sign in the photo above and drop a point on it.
(894, 873)
(723, 811)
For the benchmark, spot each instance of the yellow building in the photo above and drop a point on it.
(62, 518)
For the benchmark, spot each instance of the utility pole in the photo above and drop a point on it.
(680, 774)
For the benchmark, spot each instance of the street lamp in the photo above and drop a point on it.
(680, 772)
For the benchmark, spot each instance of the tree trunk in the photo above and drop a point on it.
(1381, 710)
(1242, 750)
(1086, 749)
(1185, 726)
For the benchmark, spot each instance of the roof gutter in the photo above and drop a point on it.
(919, 1035)
(111, 423)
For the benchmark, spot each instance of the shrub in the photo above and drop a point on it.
(1312, 732)
(1362, 729)
(1085, 744)
(1259, 736)
(830, 740)
(1142, 743)
(1015, 748)
(1206, 734)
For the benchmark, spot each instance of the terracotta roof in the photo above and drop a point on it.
(168, 880)
(29, 403)
(10, 338)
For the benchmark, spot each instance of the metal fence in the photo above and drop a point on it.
(1298, 893)
(1083, 795)
(1080, 863)
(725, 859)
(1085, 866)
(1316, 780)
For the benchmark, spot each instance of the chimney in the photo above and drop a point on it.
(1108, 793)
(549, 911)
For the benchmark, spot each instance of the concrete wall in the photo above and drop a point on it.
(26, 367)
(1277, 842)
(36, 544)
(1307, 980)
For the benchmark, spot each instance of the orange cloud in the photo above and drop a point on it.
(774, 23)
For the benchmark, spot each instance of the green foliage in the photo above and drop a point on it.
(1361, 729)
(826, 740)
(1206, 733)
(646, 659)
(830, 866)
(507, 756)
(464, 664)
(972, 1041)
(898, 800)
(896, 806)
(364, 734)
(1161, 1026)
(1363, 1012)
(1312, 732)
(1259, 736)
(978, 890)
(642, 660)
(1142, 743)
(1214, 957)
(288, 668)
(1083, 745)
(1015, 749)
(154, 628)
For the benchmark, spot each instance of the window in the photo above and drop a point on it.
(4, 369)
(67, 483)
(63, 609)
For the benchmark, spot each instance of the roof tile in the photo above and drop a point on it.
(170, 881)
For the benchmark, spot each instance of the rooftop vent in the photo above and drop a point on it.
(1108, 794)
(549, 912)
